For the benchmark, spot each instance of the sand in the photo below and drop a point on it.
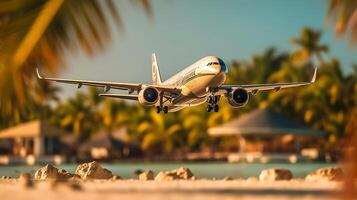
(197, 189)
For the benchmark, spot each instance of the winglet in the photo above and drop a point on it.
(314, 76)
(38, 74)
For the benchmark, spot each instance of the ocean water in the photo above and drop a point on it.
(200, 169)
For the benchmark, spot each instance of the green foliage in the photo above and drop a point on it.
(308, 41)
(343, 14)
(83, 25)
(326, 105)
(77, 25)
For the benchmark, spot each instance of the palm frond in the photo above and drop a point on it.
(76, 25)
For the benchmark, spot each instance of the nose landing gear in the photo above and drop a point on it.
(212, 107)
(213, 100)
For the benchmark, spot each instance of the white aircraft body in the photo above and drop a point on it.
(198, 83)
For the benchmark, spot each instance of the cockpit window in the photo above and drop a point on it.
(224, 68)
(220, 62)
(212, 63)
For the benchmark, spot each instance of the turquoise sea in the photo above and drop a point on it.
(200, 169)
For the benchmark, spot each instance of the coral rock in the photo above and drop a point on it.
(146, 176)
(46, 172)
(93, 170)
(274, 174)
(51, 172)
(166, 176)
(326, 174)
(176, 174)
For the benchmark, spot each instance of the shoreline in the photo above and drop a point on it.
(210, 170)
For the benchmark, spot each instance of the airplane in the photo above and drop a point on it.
(198, 83)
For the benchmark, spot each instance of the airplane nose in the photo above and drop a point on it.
(217, 68)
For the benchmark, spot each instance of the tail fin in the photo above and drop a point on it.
(156, 78)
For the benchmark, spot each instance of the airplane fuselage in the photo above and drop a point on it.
(195, 81)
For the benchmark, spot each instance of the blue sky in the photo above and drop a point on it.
(182, 31)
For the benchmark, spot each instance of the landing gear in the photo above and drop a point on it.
(216, 108)
(213, 100)
(164, 109)
(208, 108)
(212, 107)
(158, 109)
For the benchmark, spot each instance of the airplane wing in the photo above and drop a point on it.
(121, 96)
(254, 88)
(111, 85)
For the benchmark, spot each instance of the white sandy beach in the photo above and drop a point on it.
(180, 189)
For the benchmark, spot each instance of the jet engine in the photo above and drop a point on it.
(238, 97)
(148, 96)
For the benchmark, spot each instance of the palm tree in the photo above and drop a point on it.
(351, 86)
(194, 121)
(38, 32)
(309, 45)
(158, 133)
(43, 97)
(311, 103)
(344, 14)
(265, 64)
(77, 115)
(257, 70)
(115, 113)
